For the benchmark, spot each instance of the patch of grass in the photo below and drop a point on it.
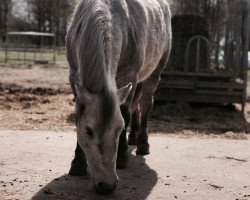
(29, 55)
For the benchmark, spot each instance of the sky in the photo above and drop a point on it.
(19, 8)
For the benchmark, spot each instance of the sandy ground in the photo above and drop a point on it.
(36, 98)
(36, 168)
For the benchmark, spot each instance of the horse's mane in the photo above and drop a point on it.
(91, 39)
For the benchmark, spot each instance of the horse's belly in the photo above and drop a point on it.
(145, 72)
(149, 65)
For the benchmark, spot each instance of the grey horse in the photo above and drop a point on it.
(116, 50)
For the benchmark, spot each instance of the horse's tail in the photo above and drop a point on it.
(90, 39)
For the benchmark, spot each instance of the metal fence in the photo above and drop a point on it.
(28, 48)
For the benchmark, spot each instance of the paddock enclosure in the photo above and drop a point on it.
(208, 66)
(28, 48)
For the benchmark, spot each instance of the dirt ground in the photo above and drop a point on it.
(202, 151)
(39, 98)
(36, 168)
(35, 99)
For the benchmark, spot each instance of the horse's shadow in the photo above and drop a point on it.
(136, 182)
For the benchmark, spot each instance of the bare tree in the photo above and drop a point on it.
(51, 16)
(5, 8)
(62, 12)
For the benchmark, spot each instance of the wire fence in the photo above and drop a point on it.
(27, 48)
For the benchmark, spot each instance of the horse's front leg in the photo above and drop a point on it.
(122, 154)
(135, 126)
(79, 163)
(146, 103)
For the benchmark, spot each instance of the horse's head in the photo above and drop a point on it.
(99, 124)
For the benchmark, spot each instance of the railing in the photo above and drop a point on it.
(28, 54)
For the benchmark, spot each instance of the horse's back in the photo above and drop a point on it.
(140, 33)
(146, 34)
(158, 37)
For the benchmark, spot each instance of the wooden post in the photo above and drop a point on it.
(238, 24)
(25, 48)
(245, 41)
(226, 49)
(6, 52)
(54, 46)
(35, 51)
(41, 45)
(198, 54)
(18, 50)
(6, 49)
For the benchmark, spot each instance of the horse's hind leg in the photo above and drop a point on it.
(149, 87)
(135, 121)
(135, 126)
(146, 105)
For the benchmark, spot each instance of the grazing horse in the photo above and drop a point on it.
(116, 50)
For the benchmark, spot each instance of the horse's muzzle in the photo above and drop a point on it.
(106, 188)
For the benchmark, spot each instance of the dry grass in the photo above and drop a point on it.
(203, 119)
(39, 99)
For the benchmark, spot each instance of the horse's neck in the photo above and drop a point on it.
(91, 22)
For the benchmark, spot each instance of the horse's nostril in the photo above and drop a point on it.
(106, 188)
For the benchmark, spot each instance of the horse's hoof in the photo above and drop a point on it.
(132, 140)
(142, 149)
(78, 170)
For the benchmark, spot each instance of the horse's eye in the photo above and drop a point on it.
(89, 132)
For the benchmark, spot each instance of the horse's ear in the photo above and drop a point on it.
(123, 93)
(83, 95)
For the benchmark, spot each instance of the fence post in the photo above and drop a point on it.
(246, 42)
(54, 46)
(6, 52)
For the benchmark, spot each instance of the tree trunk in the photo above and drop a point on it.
(5, 6)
